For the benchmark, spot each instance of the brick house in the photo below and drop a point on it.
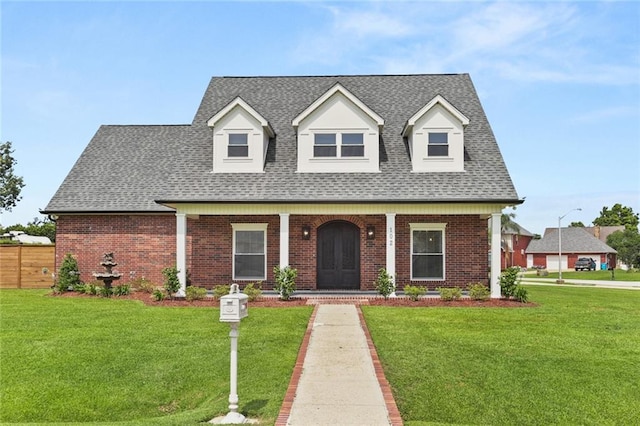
(336, 176)
(514, 245)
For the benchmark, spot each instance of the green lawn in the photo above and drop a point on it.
(110, 360)
(620, 275)
(573, 359)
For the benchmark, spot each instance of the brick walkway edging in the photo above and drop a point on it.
(287, 403)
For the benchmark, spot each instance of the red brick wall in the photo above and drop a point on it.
(142, 244)
(466, 255)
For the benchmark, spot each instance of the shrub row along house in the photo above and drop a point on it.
(336, 176)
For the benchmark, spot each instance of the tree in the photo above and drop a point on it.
(10, 184)
(616, 216)
(627, 244)
(576, 225)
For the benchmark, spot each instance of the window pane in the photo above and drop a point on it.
(352, 151)
(238, 151)
(434, 242)
(237, 139)
(419, 241)
(249, 266)
(352, 139)
(324, 151)
(427, 266)
(438, 150)
(249, 242)
(438, 138)
(325, 138)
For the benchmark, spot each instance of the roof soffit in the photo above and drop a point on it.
(239, 102)
(437, 100)
(337, 88)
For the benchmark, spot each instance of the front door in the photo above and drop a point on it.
(338, 256)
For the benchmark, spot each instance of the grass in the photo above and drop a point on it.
(108, 360)
(573, 359)
(620, 275)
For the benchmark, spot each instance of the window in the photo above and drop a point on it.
(324, 145)
(249, 251)
(352, 145)
(427, 251)
(438, 145)
(238, 146)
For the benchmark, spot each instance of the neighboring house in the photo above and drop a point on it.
(514, 245)
(576, 242)
(336, 176)
(23, 238)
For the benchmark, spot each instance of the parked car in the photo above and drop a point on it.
(585, 264)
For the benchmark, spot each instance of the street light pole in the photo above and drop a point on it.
(560, 244)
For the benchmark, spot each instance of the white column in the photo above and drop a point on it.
(495, 254)
(284, 239)
(391, 248)
(181, 252)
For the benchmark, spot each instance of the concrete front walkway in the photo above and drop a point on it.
(339, 383)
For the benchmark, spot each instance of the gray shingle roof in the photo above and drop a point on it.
(574, 240)
(127, 168)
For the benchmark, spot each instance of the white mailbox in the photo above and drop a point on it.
(233, 306)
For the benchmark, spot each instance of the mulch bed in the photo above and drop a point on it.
(273, 302)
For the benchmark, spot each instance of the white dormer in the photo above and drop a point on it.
(338, 133)
(240, 139)
(436, 137)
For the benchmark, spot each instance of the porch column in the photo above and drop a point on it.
(495, 254)
(181, 252)
(284, 239)
(391, 248)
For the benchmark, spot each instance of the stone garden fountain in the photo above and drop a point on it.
(108, 276)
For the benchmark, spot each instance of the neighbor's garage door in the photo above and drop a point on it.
(552, 262)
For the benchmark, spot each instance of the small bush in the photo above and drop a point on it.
(221, 290)
(68, 275)
(414, 292)
(509, 281)
(122, 290)
(449, 293)
(196, 293)
(158, 295)
(92, 289)
(285, 281)
(384, 283)
(142, 284)
(478, 291)
(171, 281)
(253, 291)
(521, 294)
(104, 291)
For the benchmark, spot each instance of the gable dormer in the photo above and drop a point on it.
(240, 139)
(435, 135)
(338, 133)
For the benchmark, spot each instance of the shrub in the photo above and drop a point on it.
(285, 281)
(92, 288)
(521, 294)
(509, 281)
(384, 283)
(478, 291)
(253, 291)
(104, 291)
(158, 295)
(414, 292)
(449, 293)
(68, 275)
(122, 290)
(196, 293)
(171, 281)
(221, 290)
(142, 284)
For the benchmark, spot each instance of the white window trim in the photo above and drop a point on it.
(248, 227)
(429, 227)
(227, 135)
(449, 132)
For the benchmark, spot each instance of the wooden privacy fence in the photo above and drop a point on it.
(27, 266)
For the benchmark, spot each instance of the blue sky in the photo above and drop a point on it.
(559, 81)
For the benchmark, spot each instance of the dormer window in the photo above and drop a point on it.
(338, 133)
(238, 145)
(435, 136)
(438, 145)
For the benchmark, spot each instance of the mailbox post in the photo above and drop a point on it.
(233, 307)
